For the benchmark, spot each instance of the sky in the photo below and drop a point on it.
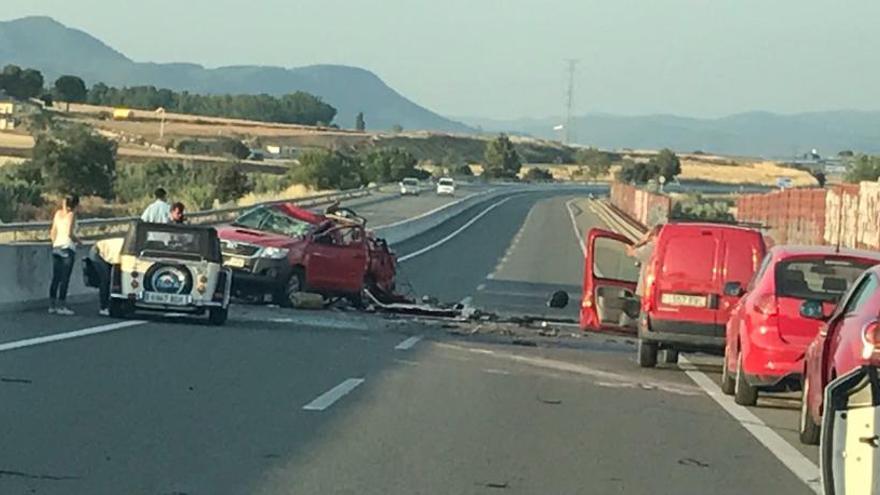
(504, 59)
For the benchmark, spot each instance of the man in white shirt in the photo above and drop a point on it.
(159, 211)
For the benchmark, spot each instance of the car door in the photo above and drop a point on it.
(610, 279)
(336, 260)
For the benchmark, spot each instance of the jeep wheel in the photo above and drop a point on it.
(647, 354)
(286, 295)
(218, 316)
(744, 394)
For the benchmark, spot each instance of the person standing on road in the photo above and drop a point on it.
(159, 211)
(642, 251)
(64, 241)
(177, 213)
(104, 254)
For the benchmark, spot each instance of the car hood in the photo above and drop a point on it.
(260, 238)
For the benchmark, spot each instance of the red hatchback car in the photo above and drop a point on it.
(766, 335)
(849, 339)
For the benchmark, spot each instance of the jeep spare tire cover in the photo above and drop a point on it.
(168, 279)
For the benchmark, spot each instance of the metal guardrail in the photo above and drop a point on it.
(97, 227)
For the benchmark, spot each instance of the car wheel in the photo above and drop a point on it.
(119, 308)
(808, 430)
(286, 295)
(647, 354)
(743, 393)
(727, 383)
(218, 316)
(670, 356)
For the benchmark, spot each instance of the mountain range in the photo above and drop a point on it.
(55, 49)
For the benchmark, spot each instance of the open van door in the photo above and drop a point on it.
(849, 457)
(610, 278)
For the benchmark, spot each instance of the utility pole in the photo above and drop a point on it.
(569, 102)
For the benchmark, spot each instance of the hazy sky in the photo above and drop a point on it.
(504, 58)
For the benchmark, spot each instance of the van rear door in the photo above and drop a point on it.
(610, 278)
(743, 253)
(687, 276)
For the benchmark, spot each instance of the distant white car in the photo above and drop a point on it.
(446, 186)
(408, 186)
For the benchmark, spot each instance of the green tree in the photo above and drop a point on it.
(231, 183)
(327, 169)
(359, 123)
(501, 158)
(538, 174)
(75, 161)
(863, 168)
(70, 89)
(594, 163)
(389, 165)
(21, 83)
(668, 164)
(463, 170)
(637, 173)
(397, 128)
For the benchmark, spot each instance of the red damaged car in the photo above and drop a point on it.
(767, 335)
(276, 251)
(848, 340)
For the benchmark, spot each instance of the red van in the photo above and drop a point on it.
(685, 307)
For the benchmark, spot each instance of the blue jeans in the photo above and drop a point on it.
(62, 267)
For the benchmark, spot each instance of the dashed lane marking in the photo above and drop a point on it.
(329, 397)
(46, 339)
(408, 343)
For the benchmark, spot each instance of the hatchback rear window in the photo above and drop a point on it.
(445, 182)
(824, 279)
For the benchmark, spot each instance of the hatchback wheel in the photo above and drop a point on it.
(670, 356)
(647, 354)
(727, 383)
(743, 393)
(808, 429)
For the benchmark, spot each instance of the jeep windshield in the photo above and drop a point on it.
(172, 241)
(269, 219)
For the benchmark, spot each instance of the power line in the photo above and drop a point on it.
(569, 101)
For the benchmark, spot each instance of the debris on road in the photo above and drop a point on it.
(552, 402)
(687, 461)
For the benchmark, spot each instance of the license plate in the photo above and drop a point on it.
(684, 300)
(169, 299)
(235, 262)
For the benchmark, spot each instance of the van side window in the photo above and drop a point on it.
(760, 273)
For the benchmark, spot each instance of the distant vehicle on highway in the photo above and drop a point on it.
(446, 186)
(409, 186)
(170, 267)
(281, 250)
(684, 307)
(848, 341)
(767, 335)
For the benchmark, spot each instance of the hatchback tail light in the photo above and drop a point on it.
(767, 305)
(871, 339)
(650, 289)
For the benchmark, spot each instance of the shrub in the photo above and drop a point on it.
(326, 169)
(538, 174)
(214, 147)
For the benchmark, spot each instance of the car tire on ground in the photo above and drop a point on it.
(727, 383)
(120, 308)
(285, 295)
(218, 316)
(670, 356)
(744, 394)
(808, 430)
(647, 354)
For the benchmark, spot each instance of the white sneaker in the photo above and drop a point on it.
(52, 310)
(64, 311)
(104, 312)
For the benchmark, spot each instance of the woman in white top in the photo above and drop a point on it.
(64, 243)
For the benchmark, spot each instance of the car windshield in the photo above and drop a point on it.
(825, 279)
(410, 182)
(271, 220)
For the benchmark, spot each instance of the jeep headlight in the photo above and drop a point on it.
(274, 253)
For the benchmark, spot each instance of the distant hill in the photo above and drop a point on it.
(751, 134)
(55, 49)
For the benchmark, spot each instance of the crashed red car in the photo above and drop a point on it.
(279, 250)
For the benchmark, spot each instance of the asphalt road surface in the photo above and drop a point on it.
(292, 402)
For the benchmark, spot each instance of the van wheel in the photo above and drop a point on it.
(727, 383)
(743, 393)
(218, 316)
(808, 430)
(285, 296)
(647, 354)
(670, 356)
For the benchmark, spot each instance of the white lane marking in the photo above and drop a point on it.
(452, 235)
(574, 225)
(408, 343)
(490, 276)
(466, 301)
(796, 462)
(481, 287)
(9, 346)
(327, 399)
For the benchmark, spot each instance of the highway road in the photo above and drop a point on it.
(294, 402)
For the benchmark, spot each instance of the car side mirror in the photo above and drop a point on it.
(558, 300)
(733, 289)
(813, 310)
